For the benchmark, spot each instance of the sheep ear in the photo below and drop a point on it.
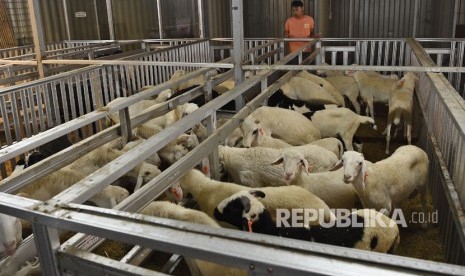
(364, 172)
(260, 136)
(307, 167)
(257, 193)
(278, 162)
(337, 166)
(400, 83)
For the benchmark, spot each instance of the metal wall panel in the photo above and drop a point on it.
(54, 26)
(218, 18)
(137, 19)
(184, 22)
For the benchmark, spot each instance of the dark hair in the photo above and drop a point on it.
(297, 3)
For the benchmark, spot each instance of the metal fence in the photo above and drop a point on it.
(436, 114)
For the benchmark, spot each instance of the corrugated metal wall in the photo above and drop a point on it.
(391, 18)
(180, 18)
(136, 19)
(54, 26)
(19, 19)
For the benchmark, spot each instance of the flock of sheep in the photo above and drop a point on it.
(285, 156)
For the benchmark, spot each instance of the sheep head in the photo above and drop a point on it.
(293, 166)
(10, 234)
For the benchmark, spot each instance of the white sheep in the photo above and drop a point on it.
(10, 234)
(195, 81)
(54, 183)
(346, 86)
(373, 89)
(339, 121)
(165, 209)
(254, 167)
(136, 108)
(262, 139)
(329, 186)
(308, 91)
(363, 229)
(400, 107)
(384, 184)
(153, 126)
(110, 196)
(287, 125)
(335, 73)
(99, 157)
(118, 144)
(325, 84)
(209, 193)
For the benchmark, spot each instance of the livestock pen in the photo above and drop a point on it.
(438, 110)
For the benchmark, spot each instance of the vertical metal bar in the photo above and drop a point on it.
(160, 20)
(97, 25)
(351, 18)
(201, 25)
(32, 110)
(111, 27)
(26, 121)
(6, 120)
(37, 34)
(41, 106)
(455, 19)
(47, 243)
(415, 19)
(65, 11)
(125, 124)
(238, 44)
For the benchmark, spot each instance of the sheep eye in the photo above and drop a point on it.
(360, 163)
(253, 216)
(255, 132)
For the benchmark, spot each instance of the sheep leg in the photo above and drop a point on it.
(388, 137)
(347, 140)
(372, 112)
(408, 128)
(356, 105)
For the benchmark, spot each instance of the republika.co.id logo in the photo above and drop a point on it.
(345, 218)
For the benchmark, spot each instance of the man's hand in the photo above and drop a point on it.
(318, 35)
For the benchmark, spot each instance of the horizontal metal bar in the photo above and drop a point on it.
(135, 62)
(262, 253)
(432, 69)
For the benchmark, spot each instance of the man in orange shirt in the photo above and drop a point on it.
(299, 26)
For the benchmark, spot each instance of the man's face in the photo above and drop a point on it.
(298, 11)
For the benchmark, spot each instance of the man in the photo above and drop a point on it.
(299, 26)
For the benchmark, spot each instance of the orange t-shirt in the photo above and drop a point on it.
(299, 28)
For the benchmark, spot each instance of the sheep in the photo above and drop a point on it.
(54, 183)
(136, 108)
(287, 125)
(261, 139)
(170, 210)
(328, 186)
(346, 86)
(384, 184)
(373, 89)
(254, 167)
(400, 107)
(339, 121)
(363, 229)
(10, 234)
(235, 138)
(325, 84)
(209, 193)
(166, 209)
(118, 144)
(155, 125)
(308, 91)
(142, 173)
(110, 196)
(195, 81)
